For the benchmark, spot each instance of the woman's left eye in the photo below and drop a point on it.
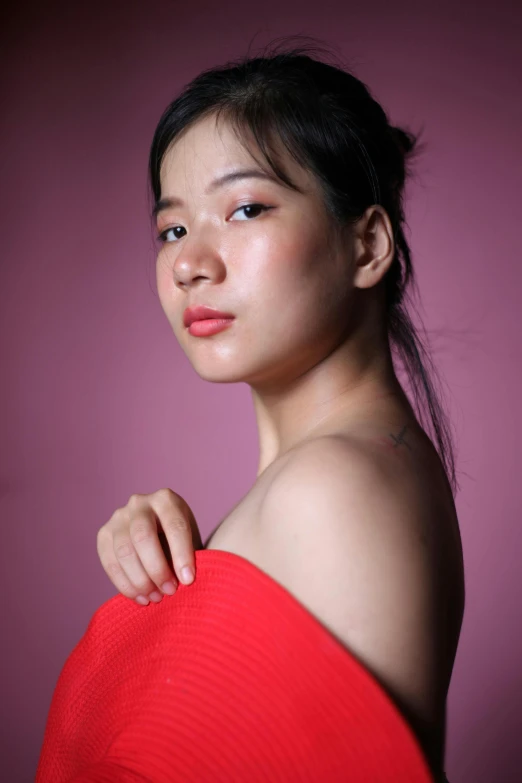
(255, 207)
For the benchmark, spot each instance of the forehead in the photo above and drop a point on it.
(208, 148)
(207, 138)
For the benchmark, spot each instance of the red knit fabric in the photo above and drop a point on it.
(230, 679)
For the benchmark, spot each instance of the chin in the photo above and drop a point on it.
(219, 377)
(216, 369)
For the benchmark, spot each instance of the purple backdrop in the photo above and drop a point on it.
(97, 399)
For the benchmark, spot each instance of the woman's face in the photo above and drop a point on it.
(275, 268)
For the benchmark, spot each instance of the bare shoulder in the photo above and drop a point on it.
(353, 534)
(360, 486)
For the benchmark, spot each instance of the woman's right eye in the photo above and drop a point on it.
(163, 235)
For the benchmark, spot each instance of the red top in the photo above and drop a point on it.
(231, 679)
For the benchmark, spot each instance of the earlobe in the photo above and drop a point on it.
(371, 273)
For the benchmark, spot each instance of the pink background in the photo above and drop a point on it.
(97, 399)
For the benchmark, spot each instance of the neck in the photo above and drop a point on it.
(339, 390)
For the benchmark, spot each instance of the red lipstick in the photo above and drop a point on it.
(202, 321)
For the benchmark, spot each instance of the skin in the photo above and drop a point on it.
(308, 336)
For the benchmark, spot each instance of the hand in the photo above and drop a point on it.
(146, 545)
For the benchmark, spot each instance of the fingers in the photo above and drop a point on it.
(177, 522)
(149, 543)
(122, 542)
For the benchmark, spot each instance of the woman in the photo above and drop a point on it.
(278, 187)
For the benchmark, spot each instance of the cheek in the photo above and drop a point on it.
(297, 272)
(305, 289)
(289, 292)
(164, 282)
(289, 255)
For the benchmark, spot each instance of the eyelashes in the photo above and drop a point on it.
(162, 236)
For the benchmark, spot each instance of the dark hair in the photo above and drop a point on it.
(331, 125)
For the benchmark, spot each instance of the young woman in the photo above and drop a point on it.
(278, 200)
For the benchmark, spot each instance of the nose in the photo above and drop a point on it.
(198, 259)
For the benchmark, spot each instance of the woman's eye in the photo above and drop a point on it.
(163, 236)
(249, 210)
(254, 207)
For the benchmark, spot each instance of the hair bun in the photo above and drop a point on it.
(405, 141)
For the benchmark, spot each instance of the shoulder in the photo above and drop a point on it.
(343, 487)
(351, 535)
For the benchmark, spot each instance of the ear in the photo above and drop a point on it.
(374, 247)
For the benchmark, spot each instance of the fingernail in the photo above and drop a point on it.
(187, 575)
(168, 587)
(142, 600)
(155, 596)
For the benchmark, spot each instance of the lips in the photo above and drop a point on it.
(202, 313)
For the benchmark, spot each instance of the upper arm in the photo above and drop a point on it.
(356, 546)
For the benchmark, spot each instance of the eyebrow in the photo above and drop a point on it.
(168, 203)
